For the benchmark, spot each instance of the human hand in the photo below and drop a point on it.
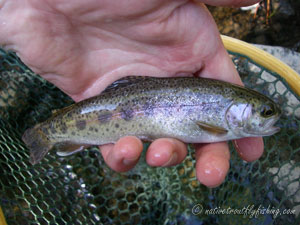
(83, 46)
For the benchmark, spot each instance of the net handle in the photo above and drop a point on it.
(2, 218)
(264, 59)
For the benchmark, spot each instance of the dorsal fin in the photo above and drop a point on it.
(56, 112)
(126, 81)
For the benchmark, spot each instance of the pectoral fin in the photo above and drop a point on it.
(66, 149)
(211, 128)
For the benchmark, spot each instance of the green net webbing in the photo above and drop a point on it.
(81, 189)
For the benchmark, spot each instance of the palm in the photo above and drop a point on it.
(82, 47)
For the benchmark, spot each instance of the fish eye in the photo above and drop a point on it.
(267, 111)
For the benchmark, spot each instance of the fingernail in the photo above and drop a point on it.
(129, 162)
(236, 146)
(172, 160)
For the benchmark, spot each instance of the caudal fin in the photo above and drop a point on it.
(38, 143)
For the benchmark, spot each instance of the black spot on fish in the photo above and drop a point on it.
(52, 128)
(148, 109)
(91, 129)
(34, 144)
(127, 114)
(96, 130)
(64, 128)
(81, 124)
(45, 130)
(117, 125)
(104, 117)
(73, 133)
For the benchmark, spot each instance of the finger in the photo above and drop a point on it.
(233, 3)
(6, 28)
(212, 163)
(124, 155)
(249, 149)
(166, 152)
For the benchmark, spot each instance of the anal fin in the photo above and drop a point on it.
(67, 148)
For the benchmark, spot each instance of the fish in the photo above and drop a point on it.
(190, 109)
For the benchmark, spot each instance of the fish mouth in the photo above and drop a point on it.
(270, 128)
(270, 125)
(270, 131)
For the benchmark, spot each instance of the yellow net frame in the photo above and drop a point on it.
(265, 60)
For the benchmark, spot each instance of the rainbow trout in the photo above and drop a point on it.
(193, 110)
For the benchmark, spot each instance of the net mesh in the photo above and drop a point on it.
(81, 189)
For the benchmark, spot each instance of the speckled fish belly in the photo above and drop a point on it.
(193, 110)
